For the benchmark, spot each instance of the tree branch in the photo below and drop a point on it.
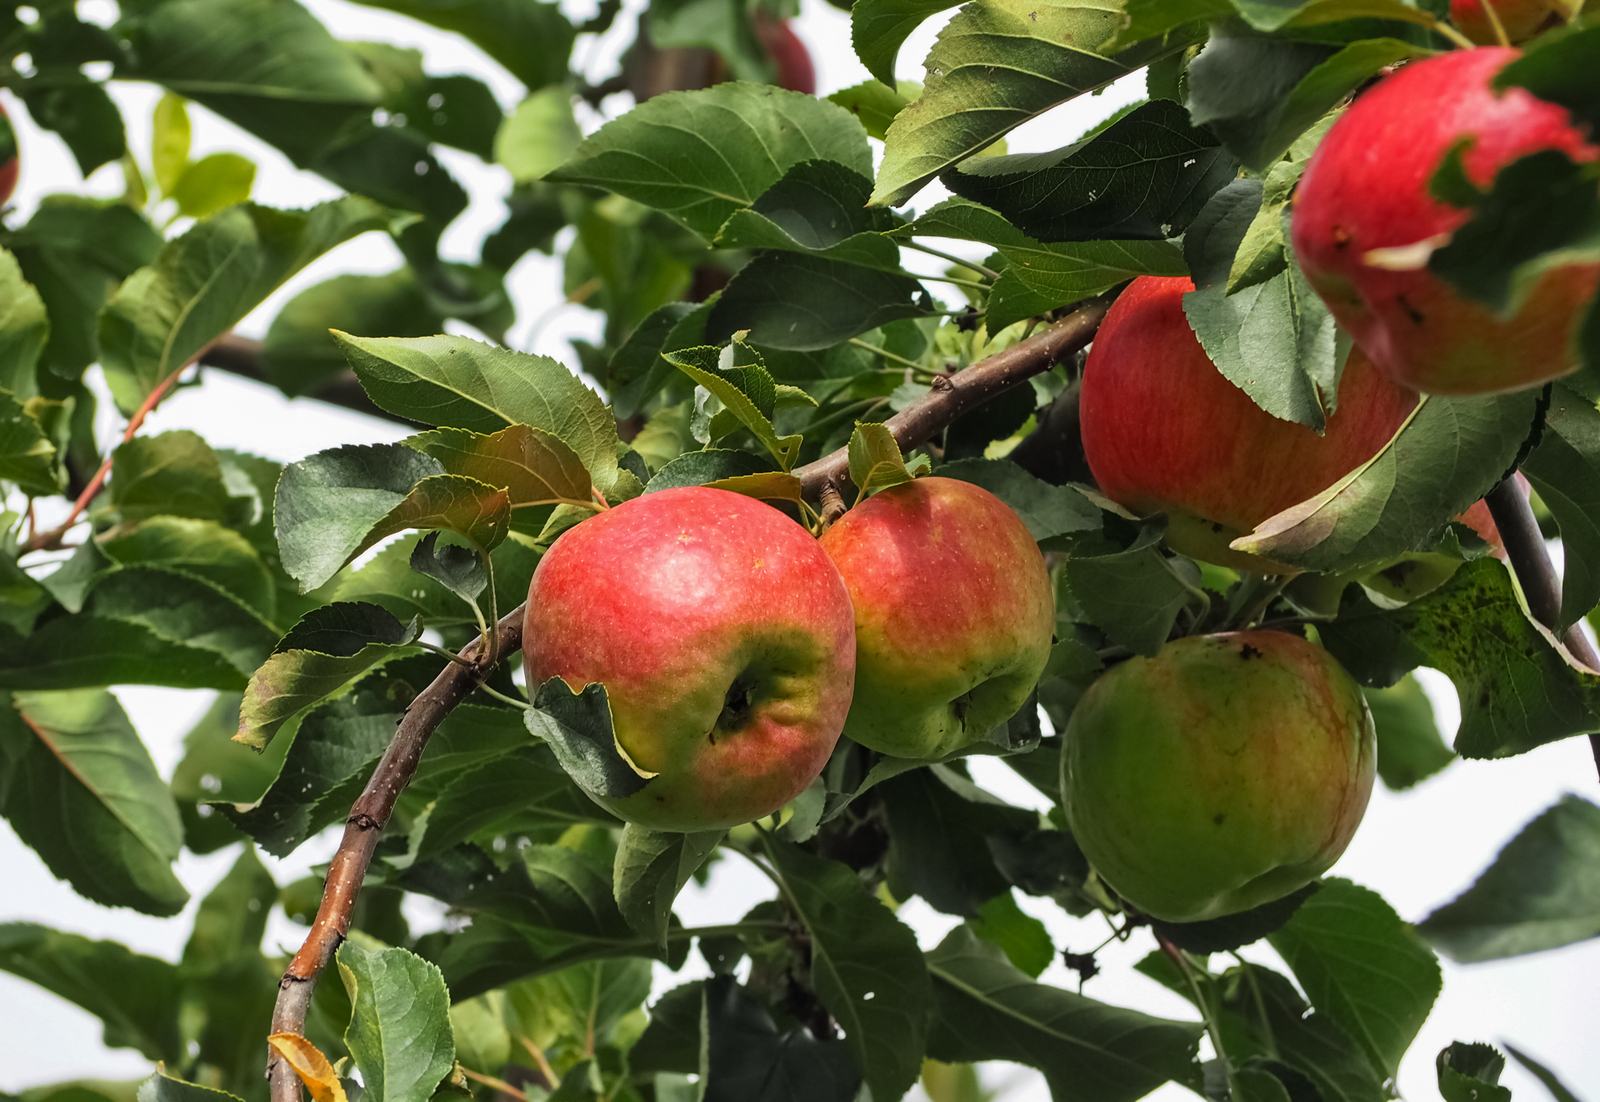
(368, 817)
(970, 388)
(1524, 544)
(242, 356)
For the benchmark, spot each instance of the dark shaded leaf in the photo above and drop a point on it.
(1410, 748)
(1221, 935)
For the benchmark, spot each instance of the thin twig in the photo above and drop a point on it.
(970, 388)
(42, 541)
(1524, 544)
(362, 830)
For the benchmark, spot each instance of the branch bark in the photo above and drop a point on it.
(368, 817)
(1524, 544)
(970, 388)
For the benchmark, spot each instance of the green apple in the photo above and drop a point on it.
(724, 638)
(954, 615)
(1226, 772)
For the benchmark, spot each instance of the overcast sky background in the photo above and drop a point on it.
(1419, 849)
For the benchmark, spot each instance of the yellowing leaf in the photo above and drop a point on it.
(310, 1065)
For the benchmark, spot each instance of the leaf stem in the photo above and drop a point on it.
(985, 272)
(886, 354)
(1181, 959)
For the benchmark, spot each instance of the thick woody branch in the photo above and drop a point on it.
(1524, 543)
(242, 356)
(368, 817)
(966, 390)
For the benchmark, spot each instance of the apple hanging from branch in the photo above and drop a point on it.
(1226, 772)
(1164, 431)
(1365, 223)
(953, 614)
(724, 638)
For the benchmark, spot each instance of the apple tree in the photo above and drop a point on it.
(784, 319)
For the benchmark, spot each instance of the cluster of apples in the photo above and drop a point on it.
(1231, 769)
(735, 648)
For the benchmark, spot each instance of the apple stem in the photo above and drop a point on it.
(1531, 565)
(368, 817)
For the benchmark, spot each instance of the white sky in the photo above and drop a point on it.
(1418, 849)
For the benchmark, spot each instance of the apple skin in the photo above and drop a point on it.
(1366, 188)
(1164, 431)
(953, 610)
(796, 71)
(1521, 19)
(1226, 772)
(683, 602)
(10, 165)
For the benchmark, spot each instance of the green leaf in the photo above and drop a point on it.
(872, 102)
(1047, 510)
(1135, 595)
(81, 651)
(865, 966)
(1410, 748)
(531, 39)
(746, 1059)
(533, 466)
(169, 142)
(214, 182)
(200, 547)
(299, 355)
(875, 459)
(461, 570)
(651, 868)
(1273, 337)
(1517, 690)
(577, 727)
(174, 473)
(1292, 84)
(985, 1009)
(1564, 73)
(1145, 176)
(389, 582)
(208, 279)
(183, 610)
(27, 457)
(273, 69)
(24, 325)
(747, 392)
(458, 111)
(539, 136)
(1447, 456)
(1545, 1076)
(807, 303)
(709, 465)
(1542, 891)
(521, 790)
(1037, 278)
(232, 919)
(1564, 468)
(878, 28)
(329, 505)
(76, 251)
(1023, 938)
(81, 111)
(1221, 935)
(321, 654)
(818, 207)
(724, 26)
(78, 786)
(995, 66)
(1362, 967)
(163, 1087)
(137, 997)
(699, 156)
(1471, 1073)
(459, 383)
(399, 1032)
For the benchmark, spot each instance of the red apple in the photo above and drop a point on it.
(795, 69)
(1164, 431)
(953, 612)
(1226, 772)
(725, 641)
(9, 164)
(1520, 19)
(1365, 191)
